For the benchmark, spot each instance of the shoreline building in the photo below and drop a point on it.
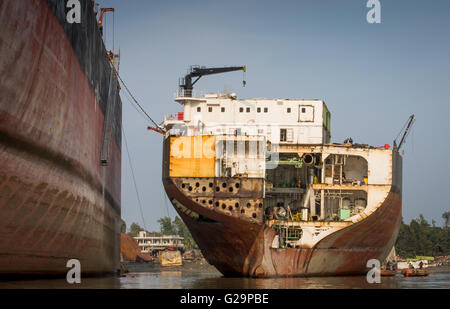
(150, 244)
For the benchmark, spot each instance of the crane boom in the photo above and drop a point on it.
(102, 11)
(405, 134)
(100, 19)
(187, 84)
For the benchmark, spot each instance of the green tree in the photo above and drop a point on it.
(134, 229)
(404, 240)
(123, 226)
(446, 216)
(177, 227)
(421, 238)
(183, 231)
(166, 226)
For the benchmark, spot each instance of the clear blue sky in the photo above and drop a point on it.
(371, 76)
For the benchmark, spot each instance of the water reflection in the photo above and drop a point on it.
(211, 279)
(359, 282)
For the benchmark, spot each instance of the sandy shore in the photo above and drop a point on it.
(188, 266)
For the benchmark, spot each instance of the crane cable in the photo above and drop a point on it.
(134, 99)
(401, 130)
(134, 180)
(405, 130)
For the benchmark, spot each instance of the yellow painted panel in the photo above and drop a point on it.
(192, 156)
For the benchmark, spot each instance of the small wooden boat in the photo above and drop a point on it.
(411, 272)
(387, 272)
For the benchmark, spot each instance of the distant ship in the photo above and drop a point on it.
(60, 142)
(265, 193)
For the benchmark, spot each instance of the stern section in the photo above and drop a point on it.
(302, 210)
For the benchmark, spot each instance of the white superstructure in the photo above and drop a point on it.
(281, 121)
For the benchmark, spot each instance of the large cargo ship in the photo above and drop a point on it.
(265, 193)
(60, 141)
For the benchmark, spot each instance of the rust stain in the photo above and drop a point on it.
(239, 245)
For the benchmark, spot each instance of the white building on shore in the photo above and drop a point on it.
(148, 243)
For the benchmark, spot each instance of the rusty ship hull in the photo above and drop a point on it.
(226, 218)
(58, 121)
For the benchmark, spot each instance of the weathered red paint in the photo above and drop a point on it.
(56, 201)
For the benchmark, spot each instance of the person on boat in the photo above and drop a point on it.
(421, 265)
(394, 266)
(269, 213)
(411, 266)
(388, 265)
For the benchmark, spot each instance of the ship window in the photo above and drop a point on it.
(283, 135)
(258, 109)
(248, 110)
(288, 109)
(199, 109)
(241, 109)
(303, 110)
(265, 109)
(222, 109)
(210, 109)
